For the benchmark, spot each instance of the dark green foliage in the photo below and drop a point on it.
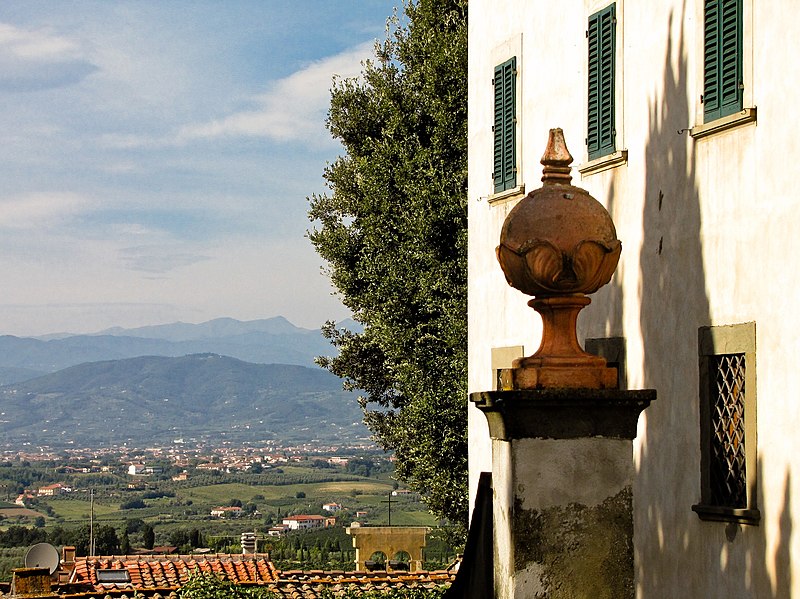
(394, 235)
(157, 494)
(207, 586)
(125, 544)
(367, 466)
(356, 593)
(203, 586)
(21, 536)
(9, 560)
(134, 525)
(133, 504)
(106, 541)
(148, 536)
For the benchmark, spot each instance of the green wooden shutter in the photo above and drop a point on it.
(601, 128)
(505, 120)
(722, 58)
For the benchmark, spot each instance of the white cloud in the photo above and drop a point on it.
(41, 44)
(293, 109)
(39, 59)
(40, 209)
(158, 259)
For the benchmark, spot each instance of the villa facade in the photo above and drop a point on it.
(678, 116)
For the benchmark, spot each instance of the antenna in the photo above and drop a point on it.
(91, 522)
(42, 555)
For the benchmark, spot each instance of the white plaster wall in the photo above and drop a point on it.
(724, 212)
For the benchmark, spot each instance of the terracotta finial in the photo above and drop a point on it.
(556, 160)
(558, 244)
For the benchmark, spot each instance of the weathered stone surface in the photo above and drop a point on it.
(577, 550)
(562, 475)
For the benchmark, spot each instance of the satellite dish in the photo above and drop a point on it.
(42, 555)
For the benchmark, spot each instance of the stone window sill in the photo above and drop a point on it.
(737, 119)
(604, 163)
(716, 513)
(508, 194)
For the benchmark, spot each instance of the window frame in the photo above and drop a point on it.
(504, 129)
(706, 124)
(723, 59)
(113, 575)
(714, 341)
(601, 101)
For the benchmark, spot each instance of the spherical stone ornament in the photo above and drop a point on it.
(558, 240)
(557, 245)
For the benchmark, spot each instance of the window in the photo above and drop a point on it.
(505, 124)
(112, 576)
(727, 424)
(601, 129)
(722, 59)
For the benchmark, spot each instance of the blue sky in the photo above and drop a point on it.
(156, 157)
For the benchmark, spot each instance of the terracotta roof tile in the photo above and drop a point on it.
(162, 575)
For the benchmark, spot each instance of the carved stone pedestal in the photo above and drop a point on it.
(562, 475)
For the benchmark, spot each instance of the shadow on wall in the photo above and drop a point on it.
(674, 549)
(607, 304)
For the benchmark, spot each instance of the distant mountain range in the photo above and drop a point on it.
(222, 379)
(267, 341)
(159, 399)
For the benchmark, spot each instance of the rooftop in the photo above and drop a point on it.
(160, 577)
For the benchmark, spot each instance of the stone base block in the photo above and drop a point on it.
(551, 377)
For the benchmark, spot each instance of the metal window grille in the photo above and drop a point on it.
(728, 471)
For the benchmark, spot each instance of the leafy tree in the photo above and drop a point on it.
(125, 543)
(208, 586)
(195, 538)
(134, 525)
(106, 541)
(148, 536)
(133, 504)
(179, 537)
(393, 232)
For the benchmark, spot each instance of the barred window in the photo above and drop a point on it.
(727, 424)
(728, 463)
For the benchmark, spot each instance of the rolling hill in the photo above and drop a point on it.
(266, 341)
(150, 399)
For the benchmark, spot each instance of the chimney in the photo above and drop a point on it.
(67, 565)
(249, 543)
(31, 582)
(68, 557)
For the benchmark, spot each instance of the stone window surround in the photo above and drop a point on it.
(499, 54)
(714, 341)
(748, 113)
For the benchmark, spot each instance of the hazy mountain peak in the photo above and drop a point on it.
(218, 327)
